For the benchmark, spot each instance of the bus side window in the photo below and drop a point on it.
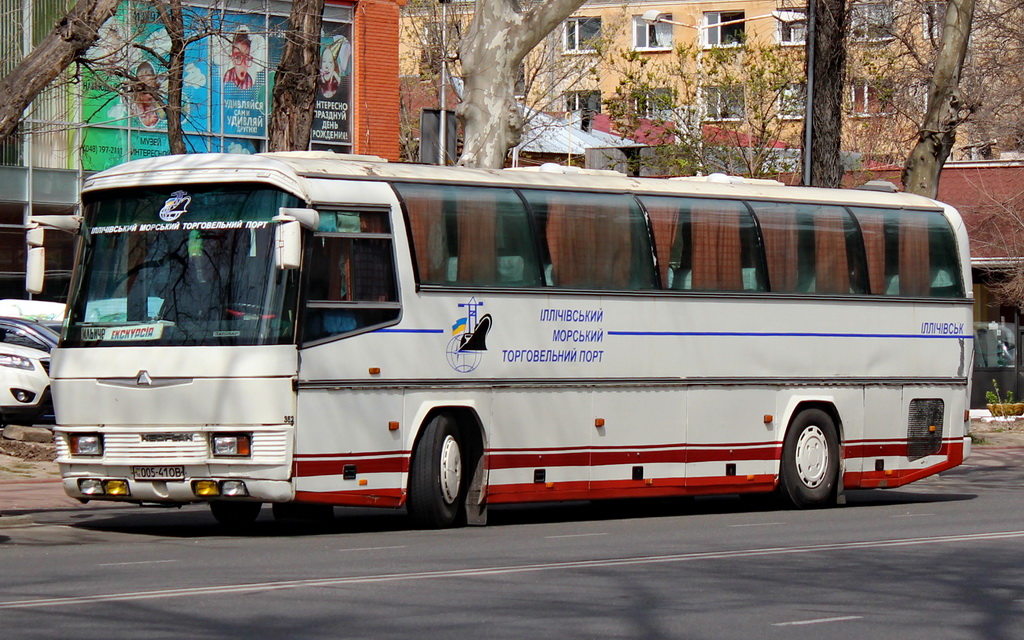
(811, 248)
(594, 241)
(704, 244)
(351, 275)
(910, 253)
(470, 236)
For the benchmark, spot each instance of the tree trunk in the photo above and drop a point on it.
(70, 37)
(946, 110)
(291, 113)
(498, 38)
(827, 95)
(173, 20)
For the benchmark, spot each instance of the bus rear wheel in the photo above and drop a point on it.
(810, 460)
(436, 485)
(235, 514)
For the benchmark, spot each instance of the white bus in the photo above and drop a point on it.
(313, 329)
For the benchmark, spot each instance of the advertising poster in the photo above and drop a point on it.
(227, 82)
(103, 148)
(331, 122)
(239, 56)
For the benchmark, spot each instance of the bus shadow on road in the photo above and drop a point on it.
(197, 522)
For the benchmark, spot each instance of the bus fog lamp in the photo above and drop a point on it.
(233, 488)
(206, 488)
(86, 444)
(116, 487)
(233, 445)
(91, 486)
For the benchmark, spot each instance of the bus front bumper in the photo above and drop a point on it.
(171, 492)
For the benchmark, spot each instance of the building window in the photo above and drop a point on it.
(589, 100)
(793, 101)
(652, 36)
(868, 99)
(792, 27)
(723, 28)
(934, 18)
(580, 34)
(656, 104)
(723, 103)
(871, 21)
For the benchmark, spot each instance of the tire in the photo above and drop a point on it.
(810, 460)
(437, 485)
(235, 514)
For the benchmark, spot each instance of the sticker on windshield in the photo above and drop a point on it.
(123, 334)
(175, 206)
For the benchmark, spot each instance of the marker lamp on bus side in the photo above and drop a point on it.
(85, 444)
(231, 445)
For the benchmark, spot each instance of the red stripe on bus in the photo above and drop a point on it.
(311, 468)
(374, 498)
(898, 477)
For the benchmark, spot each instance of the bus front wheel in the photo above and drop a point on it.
(436, 486)
(810, 460)
(235, 514)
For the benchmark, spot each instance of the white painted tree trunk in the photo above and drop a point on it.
(500, 35)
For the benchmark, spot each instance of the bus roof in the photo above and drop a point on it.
(290, 170)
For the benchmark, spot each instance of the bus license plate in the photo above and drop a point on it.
(158, 473)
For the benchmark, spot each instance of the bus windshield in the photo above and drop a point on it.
(182, 266)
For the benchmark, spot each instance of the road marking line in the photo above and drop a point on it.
(370, 549)
(127, 564)
(795, 623)
(914, 515)
(575, 535)
(315, 583)
(758, 524)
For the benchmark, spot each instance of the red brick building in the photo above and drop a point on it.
(375, 101)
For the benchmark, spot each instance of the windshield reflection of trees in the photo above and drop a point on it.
(202, 284)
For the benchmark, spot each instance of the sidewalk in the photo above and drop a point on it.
(33, 495)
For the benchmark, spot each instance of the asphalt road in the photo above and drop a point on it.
(938, 560)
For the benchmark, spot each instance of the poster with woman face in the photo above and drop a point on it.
(334, 86)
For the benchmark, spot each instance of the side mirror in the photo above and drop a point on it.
(35, 267)
(288, 245)
(35, 263)
(288, 235)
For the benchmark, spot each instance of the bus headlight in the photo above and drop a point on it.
(85, 444)
(231, 445)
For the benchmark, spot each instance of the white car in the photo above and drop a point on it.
(24, 385)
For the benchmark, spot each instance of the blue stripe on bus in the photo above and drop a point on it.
(734, 334)
(739, 334)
